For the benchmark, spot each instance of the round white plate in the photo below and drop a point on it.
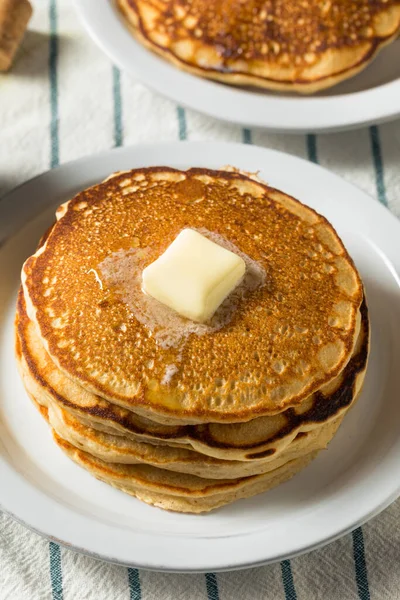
(353, 480)
(372, 96)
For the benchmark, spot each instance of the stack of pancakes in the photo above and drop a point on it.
(276, 44)
(213, 415)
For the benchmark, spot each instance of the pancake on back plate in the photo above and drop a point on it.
(277, 44)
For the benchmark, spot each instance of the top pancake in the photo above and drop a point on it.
(285, 340)
(277, 44)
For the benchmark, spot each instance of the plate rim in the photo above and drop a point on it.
(297, 114)
(167, 148)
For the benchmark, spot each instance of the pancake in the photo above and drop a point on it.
(260, 440)
(274, 44)
(292, 335)
(177, 491)
(122, 450)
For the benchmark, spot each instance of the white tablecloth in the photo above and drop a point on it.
(62, 100)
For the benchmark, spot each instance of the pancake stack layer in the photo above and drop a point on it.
(182, 416)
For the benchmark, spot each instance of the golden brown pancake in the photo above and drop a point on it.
(293, 334)
(260, 440)
(121, 449)
(275, 44)
(178, 491)
(276, 368)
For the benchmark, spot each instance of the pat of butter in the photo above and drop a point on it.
(193, 276)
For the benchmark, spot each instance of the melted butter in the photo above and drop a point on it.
(122, 272)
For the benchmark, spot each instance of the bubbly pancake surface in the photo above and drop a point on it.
(285, 340)
(300, 46)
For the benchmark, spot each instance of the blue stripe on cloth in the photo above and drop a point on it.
(54, 549)
(181, 114)
(56, 571)
(312, 148)
(360, 564)
(135, 591)
(246, 135)
(53, 59)
(287, 579)
(212, 586)
(118, 130)
(378, 164)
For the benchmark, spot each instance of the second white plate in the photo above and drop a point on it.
(347, 484)
(370, 97)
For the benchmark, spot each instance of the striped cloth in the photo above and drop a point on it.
(62, 100)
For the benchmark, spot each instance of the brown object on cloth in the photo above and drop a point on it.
(14, 18)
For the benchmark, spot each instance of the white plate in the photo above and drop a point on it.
(353, 480)
(372, 96)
